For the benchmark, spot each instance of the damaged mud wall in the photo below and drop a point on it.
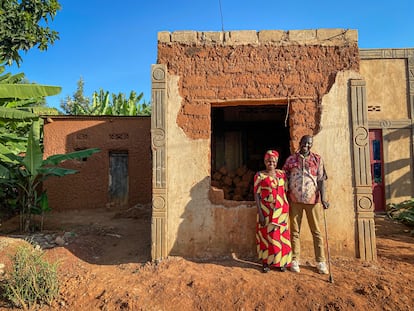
(216, 67)
(200, 71)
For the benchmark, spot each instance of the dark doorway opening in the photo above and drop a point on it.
(240, 137)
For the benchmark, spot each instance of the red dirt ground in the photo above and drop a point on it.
(106, 266)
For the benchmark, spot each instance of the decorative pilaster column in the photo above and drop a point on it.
(159, 162)
(362, 173)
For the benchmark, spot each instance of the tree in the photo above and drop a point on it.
(120, 105)
(104, 103)
(24, 25)
(78, 103)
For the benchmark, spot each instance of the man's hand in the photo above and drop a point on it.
(325, 204)
(262, 220)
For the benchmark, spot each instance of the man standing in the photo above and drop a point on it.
(306, 181)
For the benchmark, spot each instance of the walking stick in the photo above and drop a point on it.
(331, 280)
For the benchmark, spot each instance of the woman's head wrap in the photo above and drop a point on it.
(271, 153)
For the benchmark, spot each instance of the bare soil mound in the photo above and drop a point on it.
(105, 264)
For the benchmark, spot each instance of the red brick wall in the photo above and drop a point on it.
(89, 188)
(213, 73)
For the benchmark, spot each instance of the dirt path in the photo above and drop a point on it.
(105, 267)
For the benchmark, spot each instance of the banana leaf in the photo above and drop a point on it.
(56, 171)
(33, 159)
(8, 78)
(7, 155)
(25, 91)
(4, 174)
(10, 136)
(43, 111)
(16, 114)
(59, 158)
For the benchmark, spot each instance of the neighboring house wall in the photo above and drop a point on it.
(389, 75)
(310, 71)
(128, 137)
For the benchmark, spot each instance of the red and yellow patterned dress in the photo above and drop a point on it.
(273, 239)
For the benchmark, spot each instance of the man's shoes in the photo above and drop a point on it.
(265, 268)
(321, 266)
(295, 266)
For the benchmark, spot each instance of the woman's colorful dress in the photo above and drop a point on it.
(273, 239)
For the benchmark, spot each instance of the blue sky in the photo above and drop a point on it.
(112, 44)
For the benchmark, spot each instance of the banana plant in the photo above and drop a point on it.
(101, 104)
(19, 107)
(28, 171)
(104, 103)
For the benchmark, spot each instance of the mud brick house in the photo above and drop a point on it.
(119, 175)
(220, 99)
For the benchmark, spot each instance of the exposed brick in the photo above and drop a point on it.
(268, 79)
(231, 68)
(257, 70)
(230, 93)
(208, 94)
(314, 77)
(292, 79)
(241, 80)
(251, 91)
(196, 109)
(264, 91)
(221, 80)
(194, 80)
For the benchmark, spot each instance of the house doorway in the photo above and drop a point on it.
(241, 134)
(377, 169)
(118, 177)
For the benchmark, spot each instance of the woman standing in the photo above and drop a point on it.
(272, 229)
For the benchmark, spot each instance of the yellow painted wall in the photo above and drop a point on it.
(398, 164)
(386, 85)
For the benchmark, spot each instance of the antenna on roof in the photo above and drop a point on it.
(221, 14)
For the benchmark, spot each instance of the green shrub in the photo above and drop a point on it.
(403, 212)
(32, 279)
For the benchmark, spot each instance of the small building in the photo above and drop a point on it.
(220, 99)
(119, 175)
